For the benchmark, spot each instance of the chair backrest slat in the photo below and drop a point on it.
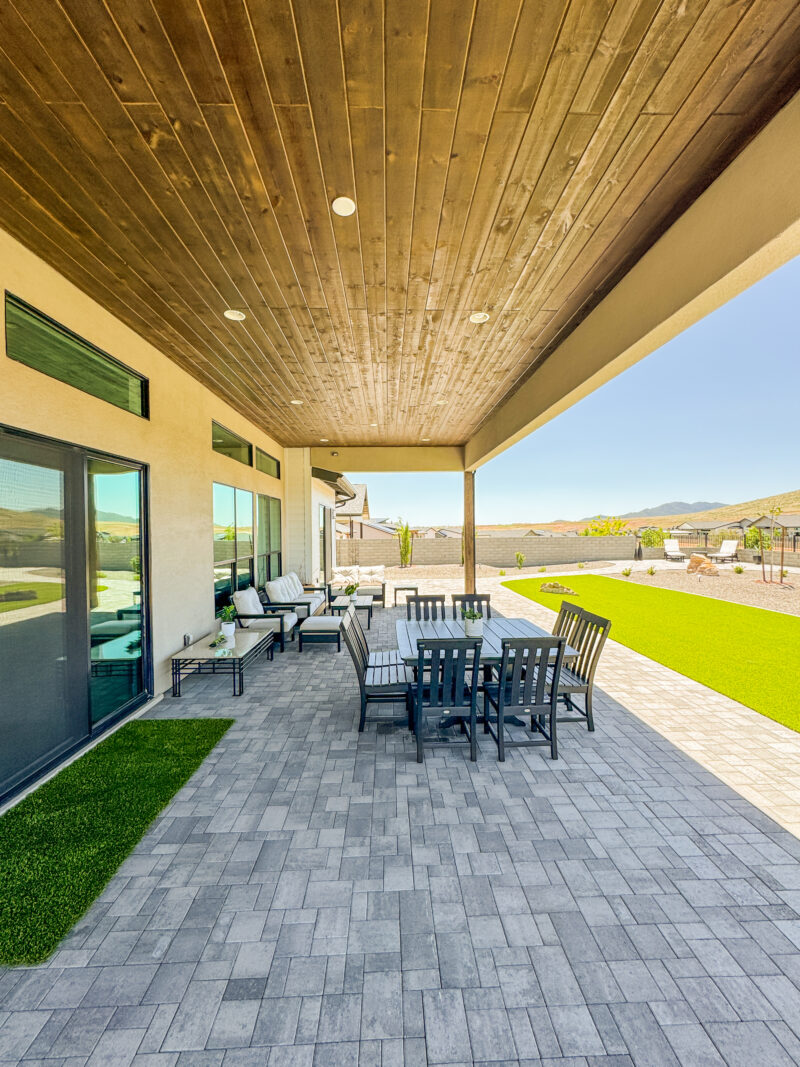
(472, 601)
(427, 606)
(355, 648)
(569, 616)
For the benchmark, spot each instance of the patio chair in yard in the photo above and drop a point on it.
(450, 689)
(471, 601)
(382, 658)
(588, 637)
(253, 615)
(530, 673)
(728, 551)
(426, 607)
(385, 684)
(672, 550)
(569, 616)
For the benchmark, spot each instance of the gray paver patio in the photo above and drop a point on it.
(315, 897)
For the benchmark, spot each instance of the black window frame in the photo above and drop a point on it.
(16, 302)
(235, 562)
(273, 557)
(259, 453)
(238, 437)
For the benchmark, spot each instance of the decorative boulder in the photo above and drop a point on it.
(701, 565)
(556, 587)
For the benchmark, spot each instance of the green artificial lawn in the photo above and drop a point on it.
(61, 845)
(43, 593)
(746, 653)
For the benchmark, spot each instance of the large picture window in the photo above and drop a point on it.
(38, 342)
(233, 541)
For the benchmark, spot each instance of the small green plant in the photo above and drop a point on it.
(227, 614)
(350, 590)
(520, 558)
(626, 572)
(653, 538)
(784, 573)
(136, 565)
(470, 613)
(502, 573)
(542, 570)
(101, 574)
(738, 569)
(651, 570)
(404, 538)
(581, 566)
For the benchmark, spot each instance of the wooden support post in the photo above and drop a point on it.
(469, 531)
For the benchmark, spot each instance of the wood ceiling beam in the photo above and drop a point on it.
(745, 225)
(389, 459)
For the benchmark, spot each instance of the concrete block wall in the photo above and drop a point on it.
(494, 551)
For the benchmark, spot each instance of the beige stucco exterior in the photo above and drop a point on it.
(175, 442)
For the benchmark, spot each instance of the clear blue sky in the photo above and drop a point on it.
(713, 415)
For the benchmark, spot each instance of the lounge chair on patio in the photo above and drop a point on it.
(428, 606)
(727, 553)
(530, 673)
(672, 550)
(588, 638)
(384, 684)
(289, 592)
(471, 602)
(253, 615)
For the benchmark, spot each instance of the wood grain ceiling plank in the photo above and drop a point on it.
(362, 31)
(536, 33)
(184, 26)
(40, 68)
(97, 32)
(493, 30)
(274, 32)
(775, 62)
(449, 31)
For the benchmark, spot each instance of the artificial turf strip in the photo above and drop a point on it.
(746, 653)
(61, 845)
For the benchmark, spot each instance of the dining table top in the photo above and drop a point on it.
(409, 631)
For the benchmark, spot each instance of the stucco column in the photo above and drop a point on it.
(469, 531)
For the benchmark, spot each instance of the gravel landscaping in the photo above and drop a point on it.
(742, 588)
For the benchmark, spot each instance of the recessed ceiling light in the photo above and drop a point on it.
(343, 205)
(234, 314)
(295, 401)
(439, 402)
(373, 424)
(479, 316)
(324, 440)
(424, 438)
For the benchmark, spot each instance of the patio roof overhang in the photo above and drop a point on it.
(594, 179)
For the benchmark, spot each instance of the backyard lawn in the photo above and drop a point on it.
(40, 593)
(60, 845)
(746, 653)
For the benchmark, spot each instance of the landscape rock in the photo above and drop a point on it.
(701, 565)
(557, 587)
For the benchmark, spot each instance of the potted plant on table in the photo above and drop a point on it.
(350, 590)
(227, 618)
(473, 622)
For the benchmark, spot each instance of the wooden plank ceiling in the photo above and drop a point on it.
(174, 158)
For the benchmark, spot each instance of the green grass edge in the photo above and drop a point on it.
(61, 845)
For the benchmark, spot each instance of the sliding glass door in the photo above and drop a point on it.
(72, 607)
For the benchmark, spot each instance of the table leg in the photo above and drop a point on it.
(176, 680)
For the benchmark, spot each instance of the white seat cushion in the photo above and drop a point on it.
(320, 623)
(273, 622)
(294, 583)
(246, 602)
(277, 591)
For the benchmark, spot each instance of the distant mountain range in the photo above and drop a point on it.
(672, 507)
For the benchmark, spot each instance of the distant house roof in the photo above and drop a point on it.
(787, 522)
(358, 506)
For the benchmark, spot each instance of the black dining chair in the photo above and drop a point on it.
(471, 601)
(569, 617)
(588, 637)
(382, 684)
(447, 687)
(426, 607)
(528, 680)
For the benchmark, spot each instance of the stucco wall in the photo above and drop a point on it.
(495, 551)
(175, 442)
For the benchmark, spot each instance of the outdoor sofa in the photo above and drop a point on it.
(289, 592)
(370, 582)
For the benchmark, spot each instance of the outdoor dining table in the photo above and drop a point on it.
(410, 631)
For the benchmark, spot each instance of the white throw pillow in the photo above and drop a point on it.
(274, 590)
(246, 601)
(295, 584)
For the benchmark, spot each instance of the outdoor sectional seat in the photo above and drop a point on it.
(252, 615)
(370, 582)
(289, 591)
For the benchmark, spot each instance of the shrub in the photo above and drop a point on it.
(651, 570)
(542, 570)
(653, 538)
(406, 547)
(520, 558)
(626, 572)
(606, 526)
(136, 565)
(784, 574)
(581, 566)
(738, 569)
(502, 573)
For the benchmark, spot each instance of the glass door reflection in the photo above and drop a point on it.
(114, 549)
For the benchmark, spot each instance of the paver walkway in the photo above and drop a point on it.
(314, 897)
